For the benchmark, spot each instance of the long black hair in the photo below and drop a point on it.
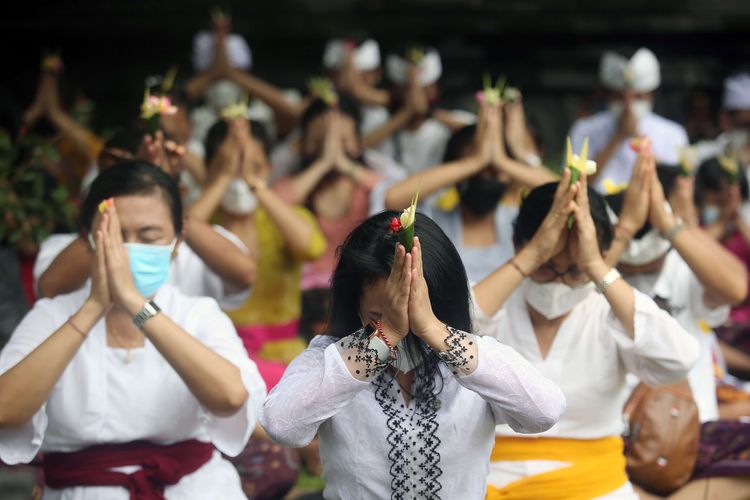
(132, 177)
(367, 255)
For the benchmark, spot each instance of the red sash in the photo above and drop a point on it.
(161, 465)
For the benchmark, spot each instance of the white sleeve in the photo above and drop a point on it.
(50, 248)
(216, 331)
(661, 352)
(515, 390)
(314, 388)
(228, 295)
(21, 444)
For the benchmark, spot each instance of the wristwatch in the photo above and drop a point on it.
(150, 309)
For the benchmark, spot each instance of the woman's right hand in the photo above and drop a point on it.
(395, 319)
(99, 294)
(552, 235)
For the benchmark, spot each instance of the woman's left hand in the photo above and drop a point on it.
(422, 321)
(122, 288)
(584, 244)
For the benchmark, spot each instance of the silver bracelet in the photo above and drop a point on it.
(674, 230)
(609, 278)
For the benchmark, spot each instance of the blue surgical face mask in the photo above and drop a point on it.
(710, 214)
(150, 265)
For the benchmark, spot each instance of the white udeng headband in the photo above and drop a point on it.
(430, 68)
(366, 55)
(238, 51)
(641, 73)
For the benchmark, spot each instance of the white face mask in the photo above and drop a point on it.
(643, 282)
(554, 299)
(406, 359)
(640, 107)
(222, 94)
(238, 198)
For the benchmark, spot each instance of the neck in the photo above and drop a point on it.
(471, 219)
(120, 320)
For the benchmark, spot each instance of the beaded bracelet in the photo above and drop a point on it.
(379, 333)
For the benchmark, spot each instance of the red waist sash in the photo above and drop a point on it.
(161, 465)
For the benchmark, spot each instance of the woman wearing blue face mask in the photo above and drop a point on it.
(544, 303)
(127, 386)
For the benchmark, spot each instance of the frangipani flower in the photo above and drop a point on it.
(688, 159)
(154, 105)
(577, 164)
(234, 111)
(323, 88)
(730, 165)
(105, 204)
(404, 225)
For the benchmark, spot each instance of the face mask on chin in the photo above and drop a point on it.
(481, 195)
(554, 299)
(238, 198)
(643, 282)
(710, 214)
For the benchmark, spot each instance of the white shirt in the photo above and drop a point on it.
(188, 272)
(667, 138)
(370, 440)
(101, 399)
(423, 147)
(589, 359)
(683, 293)
(479, 262)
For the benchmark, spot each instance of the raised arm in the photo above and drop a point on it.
(221, 255)
(723, 275)
(551, 237)
(68, 271)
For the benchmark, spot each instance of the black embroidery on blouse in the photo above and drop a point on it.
(358, 342)
(424, 459)
(455, 357)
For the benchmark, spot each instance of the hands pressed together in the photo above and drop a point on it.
(111, 279)
(407, 304)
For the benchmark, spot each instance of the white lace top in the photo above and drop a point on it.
(375, 445)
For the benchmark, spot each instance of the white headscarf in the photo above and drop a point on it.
(366, 56)
(737, 92)
(641, 73)
(430, 68)
(238, 52)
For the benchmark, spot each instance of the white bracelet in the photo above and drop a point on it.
(609, 278)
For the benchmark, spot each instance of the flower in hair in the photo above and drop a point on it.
(153, 107)
(730, 165)
(492, 95)
(688, 160)
(404, 226)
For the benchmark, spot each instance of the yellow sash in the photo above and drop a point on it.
(597, 468)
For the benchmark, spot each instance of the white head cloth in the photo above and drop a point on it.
(737, 92)
(641, 73)
(238, 52)
(366, 56)
(430, 68)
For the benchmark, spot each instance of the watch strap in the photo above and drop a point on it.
(149, 310)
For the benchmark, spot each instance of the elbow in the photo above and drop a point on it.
(739, 292)
(232, 401)
(280, 432)
(390, 200)
(550, 411)
(10, 419)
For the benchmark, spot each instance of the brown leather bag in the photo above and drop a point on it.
(662, 437)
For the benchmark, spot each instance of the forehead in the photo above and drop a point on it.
(142, 210)
(317, 126)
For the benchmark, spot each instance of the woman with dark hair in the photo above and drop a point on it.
(480, 221)
(129, 387)
(403, 397)
(544, 304)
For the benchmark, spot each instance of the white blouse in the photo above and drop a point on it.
(102, 399)
(589, 359)
(374, 446)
